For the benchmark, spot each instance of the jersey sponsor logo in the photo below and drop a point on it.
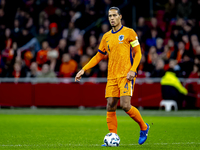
(121, 38)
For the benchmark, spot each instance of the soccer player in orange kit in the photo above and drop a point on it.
(121, 71)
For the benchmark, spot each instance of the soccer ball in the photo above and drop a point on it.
(111, 139)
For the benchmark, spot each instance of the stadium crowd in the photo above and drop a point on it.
(46, 38)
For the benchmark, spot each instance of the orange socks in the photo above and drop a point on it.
(135, 115)
(112, 122)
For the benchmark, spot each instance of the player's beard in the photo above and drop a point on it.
(114, 25)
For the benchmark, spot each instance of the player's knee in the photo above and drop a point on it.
(126, 106)
(111, 106)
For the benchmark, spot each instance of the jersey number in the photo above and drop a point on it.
(126, 86)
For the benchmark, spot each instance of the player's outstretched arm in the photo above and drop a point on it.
(93, 62)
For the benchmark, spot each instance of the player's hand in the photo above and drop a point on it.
(130, 75)
(79, 74)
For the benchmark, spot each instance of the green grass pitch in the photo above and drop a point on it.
(46, 129)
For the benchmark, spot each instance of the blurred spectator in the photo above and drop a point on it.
(6, 40)
(106, 4)
(151, 41)
(50, 9)
(41, 36)
(169, 50)
(171, 45)
(54, 36)
(71, 34)
(42, 54)
(141, 26)
(16, 31)
(3, 4)
(143, 66)
(73, 52)
(154, 58)
(176, 34)
(188, 28)
(170, 10)
(80, 44)
(104, 29)
(90, 52)
(92, 10)
(46, 24)
(21, 16)
(159, 45)
(159, 69)
(174, 65)
(33, 8)
(152, 50)
(195, 43)
(151, 58)
(62, 47)
(194, 37)
(197, 52)
(31, 27)
(68, 67)
(46, 72)
(197, 59)
(75, 18)
(194, 47)
(2, 19)
(195, 72)
(25, 37)
(172, 89)
(33, 70)
(9, 54)
(178, 55)
(78, 6)
(166, 54)
(93, 43)
(64, 6)
(154, 25)
(186, 65)
(184, 9)
(185, 39)
(17, 71)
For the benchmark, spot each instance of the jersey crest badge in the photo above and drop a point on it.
(121, 38)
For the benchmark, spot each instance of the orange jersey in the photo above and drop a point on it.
(41, 57)
(67, 69)
(118, 46)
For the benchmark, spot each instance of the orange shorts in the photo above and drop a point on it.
(119, 87)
